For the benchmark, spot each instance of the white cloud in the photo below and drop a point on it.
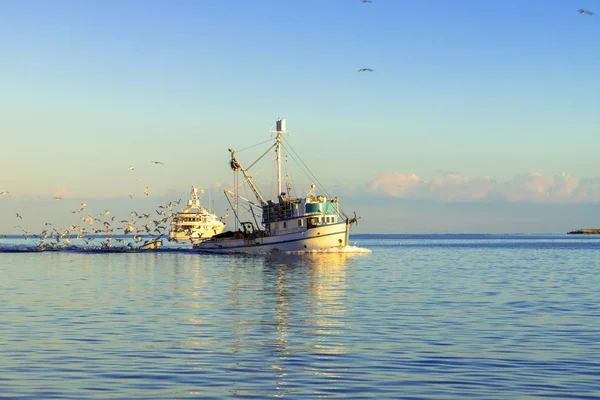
(63, 193)
(528, 187)
(394, 183)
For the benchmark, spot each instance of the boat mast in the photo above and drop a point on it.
(279, 129)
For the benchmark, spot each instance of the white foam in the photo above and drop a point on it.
(335, 250)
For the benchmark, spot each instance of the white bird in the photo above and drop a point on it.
(57, 198)
(157, 162)
(146, 191)
(131, 168)
(365, 70)
(3, 193)
(18, 216)
(584, 11)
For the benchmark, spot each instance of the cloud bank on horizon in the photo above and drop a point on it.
(528, 187)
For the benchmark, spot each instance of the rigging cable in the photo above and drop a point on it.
(254, 145)
(308, 172)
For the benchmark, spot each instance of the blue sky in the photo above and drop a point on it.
(472, 89)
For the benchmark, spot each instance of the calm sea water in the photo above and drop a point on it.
(420, 317)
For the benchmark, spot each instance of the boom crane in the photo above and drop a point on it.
(235, 165)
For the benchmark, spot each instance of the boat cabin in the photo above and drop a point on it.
(292, 215)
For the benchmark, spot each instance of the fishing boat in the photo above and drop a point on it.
(195, 223)
(287, 223)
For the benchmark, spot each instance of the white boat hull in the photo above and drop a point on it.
(196, 233)
(323, 237)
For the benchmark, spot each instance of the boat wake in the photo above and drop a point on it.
(91, 250)
(334, 250)
(166, 249)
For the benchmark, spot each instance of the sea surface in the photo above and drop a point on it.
(417, 317)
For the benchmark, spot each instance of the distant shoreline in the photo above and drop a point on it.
(585, 232)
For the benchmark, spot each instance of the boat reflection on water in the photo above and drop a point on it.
(309, 324)
(328, 290)
(271, 315)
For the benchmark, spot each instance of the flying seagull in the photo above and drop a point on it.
(365, 70)
(583, 11)
(157, 162)
(3, 193)
(366, 1)
(57, 198)
(131, 168)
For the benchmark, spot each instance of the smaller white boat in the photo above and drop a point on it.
(195, 223)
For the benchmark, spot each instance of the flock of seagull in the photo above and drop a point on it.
(154, 225)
